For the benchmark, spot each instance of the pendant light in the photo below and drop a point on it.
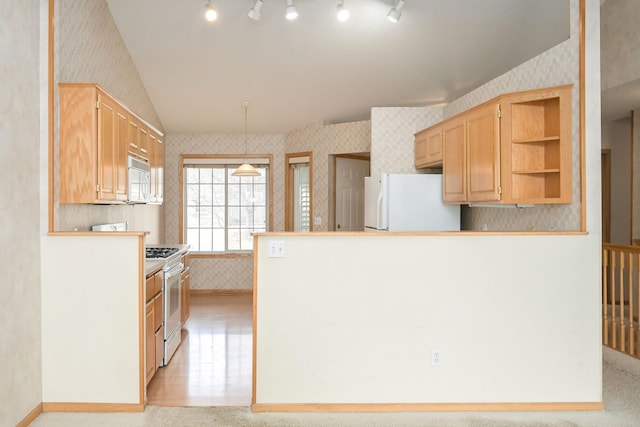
(245, 169)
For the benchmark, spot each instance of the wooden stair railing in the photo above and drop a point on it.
(621, 298)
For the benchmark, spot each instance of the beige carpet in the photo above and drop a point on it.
(621, 397)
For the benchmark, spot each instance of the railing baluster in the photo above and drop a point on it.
(614, 320)
(634, 317)
(605, 300)
(631, 325)
(621, 303)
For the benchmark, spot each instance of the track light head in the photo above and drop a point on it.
(343, 12)
(396, 12)
(210, 14)
(291, 12)
(254, 12)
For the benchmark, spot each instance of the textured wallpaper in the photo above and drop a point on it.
(392, 137)
(620, 41)
(89, 49)
(20, 351)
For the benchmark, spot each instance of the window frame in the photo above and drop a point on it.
(290, 158)
(228, 159)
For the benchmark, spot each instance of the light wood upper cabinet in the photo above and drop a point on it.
(536, 156)
(138, 139)
(90, 146)
(454, 167)
(428, 147)
(515, 149)
(97, 133)
(121, 153)
(483, 154)
(471, 169)
(156, 161)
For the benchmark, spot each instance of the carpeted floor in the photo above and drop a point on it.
(621, 397)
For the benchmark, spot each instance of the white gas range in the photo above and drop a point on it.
(172, 256)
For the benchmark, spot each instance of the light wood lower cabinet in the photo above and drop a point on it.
(150, 342)
(154, 327)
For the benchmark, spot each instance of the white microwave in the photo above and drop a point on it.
(139, 175)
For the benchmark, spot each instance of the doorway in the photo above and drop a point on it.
(348, 195)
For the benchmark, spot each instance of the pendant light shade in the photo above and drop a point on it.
(245, 169)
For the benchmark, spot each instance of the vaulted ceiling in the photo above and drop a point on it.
(315, 68)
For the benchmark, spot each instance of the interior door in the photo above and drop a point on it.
(350, 173)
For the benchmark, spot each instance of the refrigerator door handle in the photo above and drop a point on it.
(382, 215)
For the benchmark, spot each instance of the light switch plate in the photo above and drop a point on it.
(277, 249)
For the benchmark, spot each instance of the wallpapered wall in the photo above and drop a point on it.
(392, 137)
(20, 352)
(89, 49)
(620, 54)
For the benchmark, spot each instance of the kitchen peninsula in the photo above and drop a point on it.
(509, 315)
(93, 321)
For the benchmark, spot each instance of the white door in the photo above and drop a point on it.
(350, 175)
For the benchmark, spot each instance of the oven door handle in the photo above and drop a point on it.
(174, 271)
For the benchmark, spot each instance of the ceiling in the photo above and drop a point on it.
(197, 73)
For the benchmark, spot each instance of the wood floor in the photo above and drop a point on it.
(212, 366)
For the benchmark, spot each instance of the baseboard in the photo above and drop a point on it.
(429, 407)
(30, 416)
(93, 407)
(221, 291)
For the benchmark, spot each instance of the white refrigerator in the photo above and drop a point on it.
(408, 202)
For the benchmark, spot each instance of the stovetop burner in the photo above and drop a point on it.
(160, 252)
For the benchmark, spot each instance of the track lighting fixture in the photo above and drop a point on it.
(343, 12)
(396, 12)
(254, 12)
(245, 169)
(291, 12)
(210, 14)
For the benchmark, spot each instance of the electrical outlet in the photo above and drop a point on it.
(277, 249)
(436, 357)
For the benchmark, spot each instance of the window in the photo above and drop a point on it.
(301, 197)
(298, 192)
(220, 210)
